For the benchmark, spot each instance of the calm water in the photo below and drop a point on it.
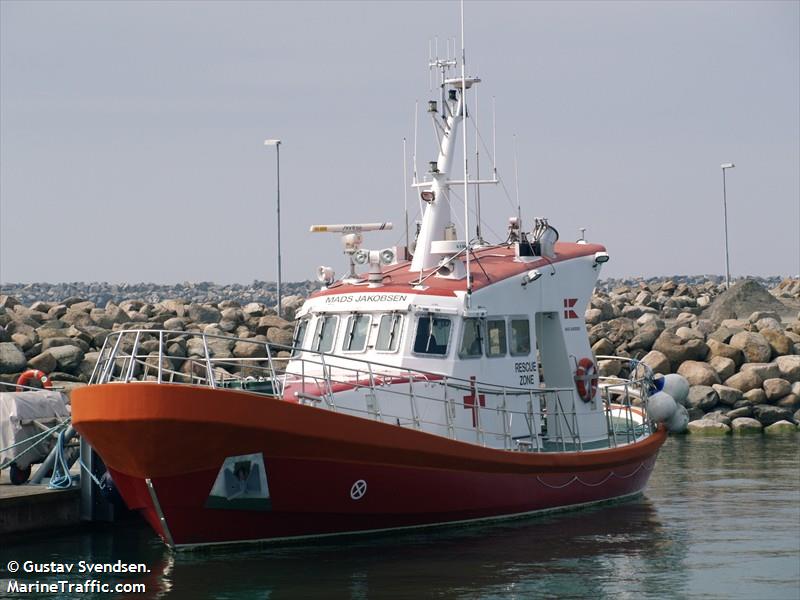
(720, 519)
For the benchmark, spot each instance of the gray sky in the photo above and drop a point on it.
(131, 132)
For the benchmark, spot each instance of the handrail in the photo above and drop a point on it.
(116, 365)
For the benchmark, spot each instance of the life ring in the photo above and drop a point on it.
(30, 375)
(586, 379)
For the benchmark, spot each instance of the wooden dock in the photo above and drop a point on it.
(34, 507)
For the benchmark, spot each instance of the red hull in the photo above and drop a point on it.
(179, 436)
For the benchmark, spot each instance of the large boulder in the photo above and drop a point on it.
(789, 367)
(657, 362)
(202, 313)
(12, 359)
(68, 358)
(746, 425)
(775, 389)
(45, 362)
(764, 370)
(698, 373)
(679, 350)
(271, 322)
(708, 427)
(727, 395)
(282, 337)
(755, 396)
(290, 305)
(780, 427)
(781, 345)
(717, 348)
(703, 397)
(724, 367)
(741, 300)
(768, 414)
(744, 381)
(754, 346)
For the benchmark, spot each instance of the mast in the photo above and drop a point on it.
(464, 152)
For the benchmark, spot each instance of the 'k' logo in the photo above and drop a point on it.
(569, 303)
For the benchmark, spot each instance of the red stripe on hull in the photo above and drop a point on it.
(313, 498)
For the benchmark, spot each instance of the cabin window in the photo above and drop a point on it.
(355, 338)
(520, 337)
(495, 337)
(325, 333)
(471, 339)
(299, 336)
(389, 332)
(433, 334)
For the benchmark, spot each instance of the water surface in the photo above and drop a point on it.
(720, 519)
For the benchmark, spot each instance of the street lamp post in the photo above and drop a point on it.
(726, 166)
(277, 144)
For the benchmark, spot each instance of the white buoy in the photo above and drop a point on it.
(679, 421)
(676, 386)
(661, 406)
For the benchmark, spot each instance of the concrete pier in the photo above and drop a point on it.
(34, 507)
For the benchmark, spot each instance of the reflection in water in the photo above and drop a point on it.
(721, 518)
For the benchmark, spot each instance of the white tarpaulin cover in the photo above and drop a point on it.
(17, 409)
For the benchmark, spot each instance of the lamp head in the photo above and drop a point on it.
(727, 166)
(272, 142)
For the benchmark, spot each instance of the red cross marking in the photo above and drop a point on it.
(469, 402)
(568, 312)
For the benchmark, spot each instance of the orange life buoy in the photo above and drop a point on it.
(30, 375)
(586, 379)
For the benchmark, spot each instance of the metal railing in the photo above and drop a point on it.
(317, 378)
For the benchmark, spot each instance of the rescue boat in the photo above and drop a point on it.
(450, 383)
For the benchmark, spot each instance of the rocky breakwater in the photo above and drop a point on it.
(63, 339)
(739, 349)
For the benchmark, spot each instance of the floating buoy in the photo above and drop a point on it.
(676, 386)
(31, 375)
(679, 421)
(661, 406)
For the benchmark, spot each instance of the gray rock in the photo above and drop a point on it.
(4, 335)
(23, 341)
(746, 425)
(718, 417)
(764, 370)
(609, 368)
(254, 349)
(270, 322)
(780, 427)
(724, 334)
(12, 359)
(688, 333)
(698, 373)
(775, 389)
(657, 362)
(678, 350)
(727, 395)
(758, 315)
(87, 365)
(744, 411)
(754, 346)
(593, 316)
(175, 324)
(78, 318)
(755, 396)
(255, 309)
(234, 314)
(603, 347)
(200, 313)
(645, 338)
(768, 414)
(54, 342)
(790, 402)
(695, 414)
(724, 367)
(706, 427)
(290, 305)
(744, 381)
(703, 397)
(281, 337)
(789, 367)
(768, 323)
(45, 362)
(781, 344)
(68, 358)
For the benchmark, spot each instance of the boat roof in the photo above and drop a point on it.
(488, 265)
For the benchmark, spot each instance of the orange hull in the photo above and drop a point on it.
(176, 437)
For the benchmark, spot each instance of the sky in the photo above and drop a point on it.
(131, 133)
